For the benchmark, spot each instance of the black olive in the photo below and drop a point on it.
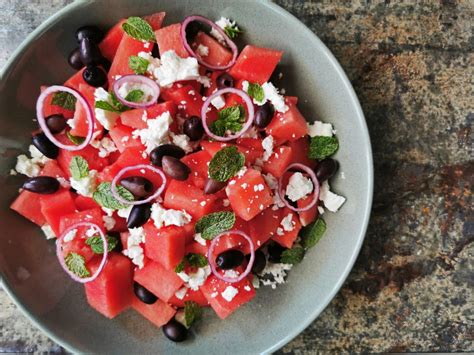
(274, 252)
(230, 259)
(225, 80)
(212, 186)
(138, 186)
(193, 128)
(89, 52)
(326, 169)
(175, 331)
(116, 235)
(143, 294)
(45, 146)
(74, 59)
(175, 168)
(155, 52)
(105, 63)
(42, 185)
(95, 76)
(259, 262)
(92, 33)
(139, 215)
(171, 150)
(56, 123)
(264, 115)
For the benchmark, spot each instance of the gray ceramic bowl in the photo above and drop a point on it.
(58, 306)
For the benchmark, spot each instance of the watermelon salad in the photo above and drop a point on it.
(172, 173)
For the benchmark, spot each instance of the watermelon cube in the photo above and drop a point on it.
(278, 161)
(308, 216)
(54, 206)
(300, 152)
(264, 226)
(169, 39)
(290, 125)
(29, 206)
(159, 313)
(217, 54)
(191, 295)
(284, 237)
(128, 46)
(155, 20)
(198, 163)
(137, 118)
(108, 46)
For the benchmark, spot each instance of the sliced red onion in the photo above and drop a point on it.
(315, 181)
(248, 123)
(42, 120)
(117, 177)
(137, 79)
(59, 252)
(228, 41)
(212, 262)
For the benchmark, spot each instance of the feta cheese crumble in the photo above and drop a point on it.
(134, 251)
(181, 293)
(156, 132)
(196, 279)
(319, 128)
(182, 141)
(48, 231)
(267, 145)
(202, 50)
(276, 274)
(69, 237)
(218, 102)
(30, 167)
(163, 217)
(109, 222)
(298, 187)
(105, 146)
(229, 293)
(272, 95)
(287, 222)
(198, 238)
(331, 200)
(86, 185)
(108, 119)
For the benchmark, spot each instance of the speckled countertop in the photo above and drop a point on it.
(412, 67)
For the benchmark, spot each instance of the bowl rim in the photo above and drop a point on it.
(311, 316)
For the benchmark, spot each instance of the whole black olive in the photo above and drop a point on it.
(139, 215)
(143, 294)
(212, 186)
(56, 123)
(230, 259)
(45, 146)
(326, 169)
(175, 331)
(138, 186)
(175, 168)
(74, 59)
(193, 128)
(225, 80)
(105, 63)
(42, 185)
(259, 263)
(171, 150)
(264, 115)
(274, 252)
(92, 33)
(94, 76)
(89, 52)
(155, 52)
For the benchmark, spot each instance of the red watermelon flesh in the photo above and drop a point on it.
(159, 313)
(217, 55)
(28, 205)
(108, 46)
(169, 39)
(128, 46)
(155, 20)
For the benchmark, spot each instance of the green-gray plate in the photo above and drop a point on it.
(29, 269)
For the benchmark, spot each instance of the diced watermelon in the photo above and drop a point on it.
(89, 153)
(108, 46)
(76, 80)
(264, 226)
(50, 109)
(251, 148)
(155, 20)
(28, 205)
(308, 216)
(213, 87)
(191, 295)
(169, 39)
(130, 156)
(287, 238)
(221, 306)
(249, 194)
(93, 215)
(56, 205)
(186, 97)
(128, 46)
(198, 163)
(300, 151)
(137, 118)
(217, 55)
(278, 161)
(84, 203)
(81, 125)
(112, 291)
(195, 247)
(123, 139)
(51, 168)
(290, 125)
(256, 64)
(154, 277)
(213, 147)
(159, 313)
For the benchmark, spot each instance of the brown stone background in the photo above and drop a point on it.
(412, 66)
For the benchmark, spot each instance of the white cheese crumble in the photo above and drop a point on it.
(272, 95)
(109, 222)
(198, 238)
(108, 119)
(331, 200)
(134, 251)
(105, 146)
(86, 185)
(163, 217)
(69, 237)
(225, 202)
(156, 132)
(298, 187)
(277, 272)
(48, 231)
(196, 279)
(271, 181)
(229, 293)
(30, 167)
(218, 102)
(153, 62)
(319, 128)
(124, 212)
(181, 293)
(128, 87)
(259, 187)
(182, 141)
(202, 50)
(287, 222)
(267, 145)
(223, 22)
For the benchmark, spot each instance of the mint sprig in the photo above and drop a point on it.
(78, 167)
(193, 260)
(225, 164)
(103, 196)
(215, 223)
(322, 147)
(292, 256)
(135, 95)
(232, 31)
(75, 139)
(192, 313)
(138, 64)
(77, 264)
(97, 245)
(138, 28)
(312, 234)
(65, 100)
(230, 119)
(255, 90)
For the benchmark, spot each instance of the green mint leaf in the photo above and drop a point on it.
(104, 105)
(138, 65)
(64, 100)
(226, 163)
(97, 245)
(256, 91)
(138, 28)
(232, 31)
(192, 313)
(103, 196)
(193, 260)
(322, 147)
(292, 256)
(119, 107)
(215, 223)
(311, 234)
(75, 139)
(135, 96)
(229, 119)
(180, 267)
(77, 265)
(78, 167)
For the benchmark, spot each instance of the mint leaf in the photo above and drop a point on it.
(256, 91)
(103, 196)
(75, 139)
(232, 31)
(135, 95)
(225, 164)
(311, 234)
(322, 147)
(138, 65)
(292, 256)
(114, 106)
(97, 245)
(78, 167)
(215, 223)
(64, 100)
(229, 119)
(104, 105)
(192, 313)
(138, 28)
(77, 264)
(193, 260)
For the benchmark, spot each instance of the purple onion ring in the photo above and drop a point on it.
(314, 179)
(137, 79)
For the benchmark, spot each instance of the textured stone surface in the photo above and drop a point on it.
(412, 68)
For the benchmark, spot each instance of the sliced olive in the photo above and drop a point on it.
(42, 185)
(45, 146)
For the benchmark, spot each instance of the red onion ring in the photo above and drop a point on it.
(137, 79)
(228, 41)
(42, 120)
(212, 262)
(312, 175)
(117, 177)
(59, 252)
(248, 123)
